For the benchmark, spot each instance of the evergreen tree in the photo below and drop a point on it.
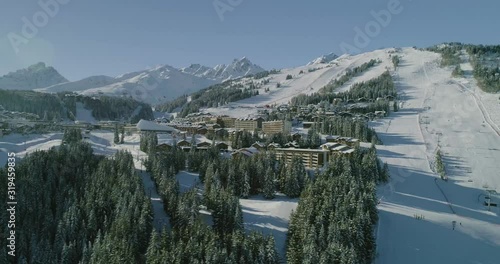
(116, 139)
(122, 136)
(269, 184)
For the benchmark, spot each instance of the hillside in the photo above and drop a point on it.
(279, 86)
(159, 84)
(423, 219)
(36, 76)
(67, 106)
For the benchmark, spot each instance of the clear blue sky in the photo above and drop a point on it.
(111, 37)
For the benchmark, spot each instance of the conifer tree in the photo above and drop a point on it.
(269, 184)
(116, 139)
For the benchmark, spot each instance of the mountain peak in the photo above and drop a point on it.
(221, 72)
(35, 76)
(327, 58)
(37, 66)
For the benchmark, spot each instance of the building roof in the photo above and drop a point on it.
(145, 125)
(249, 152)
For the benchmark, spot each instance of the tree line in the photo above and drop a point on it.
(191, 240)
(76, 207)
(334, 221)
(53, 107)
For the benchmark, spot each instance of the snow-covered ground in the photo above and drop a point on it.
(305, 83)
(269, 217)
(85, 115)
(437, 109)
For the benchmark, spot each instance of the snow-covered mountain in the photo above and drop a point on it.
(324, 59)
(159, 84)
(35, 76)
(152, 86)
(81, 85)
(238, 68)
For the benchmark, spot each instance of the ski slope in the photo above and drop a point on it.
(305, 83)
(437, 109)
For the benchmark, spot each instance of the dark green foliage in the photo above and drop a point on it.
(75, 207)
(264, 74)
(289, 77)
(381, 86)
(488, 79)
(41, 104)
(395, 61)
(485, 72)
(330, 88)
(347, 127)
(172, 105)
(213, 96)
(190, 240)
(122, 135)
(336, 214)
(116, 138)
(149, 141)
(440, 169)
(269, 188)
(116, 108)
(295, 178)
(50, 107)
(457, 72)
(450, 57)
(72, 135)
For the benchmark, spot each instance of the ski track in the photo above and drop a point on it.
(455, 119)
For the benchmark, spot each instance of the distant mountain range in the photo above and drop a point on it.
(153, 86)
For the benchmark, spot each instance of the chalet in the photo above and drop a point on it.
(184, 143)
(164, 147)
(201, 130)
(222, 146)
(204, 144)
(272, 146)
(258, 145)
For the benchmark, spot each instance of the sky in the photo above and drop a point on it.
(81, 38)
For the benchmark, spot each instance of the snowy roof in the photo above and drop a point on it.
(145, 125)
